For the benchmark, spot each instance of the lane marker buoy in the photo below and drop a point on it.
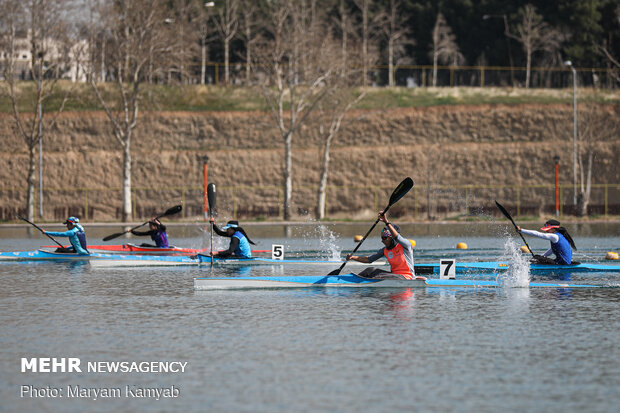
(357, 238)
(611, 255)
(461, 246)
(525, 249)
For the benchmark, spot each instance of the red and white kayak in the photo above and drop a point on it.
(137, 249)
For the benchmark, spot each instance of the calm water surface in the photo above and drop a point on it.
(334, 350)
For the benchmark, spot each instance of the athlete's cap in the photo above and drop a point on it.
(231, 224)
(552, 223)
(385, 232)
(72, 220)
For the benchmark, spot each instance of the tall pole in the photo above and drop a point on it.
(556, 160)
(574, 135)
(205, 198)
(40, 115)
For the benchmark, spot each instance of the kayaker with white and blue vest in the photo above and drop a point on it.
(562, 245)
(75, 233)
(239, 241)
(157, 232)
(398, 251)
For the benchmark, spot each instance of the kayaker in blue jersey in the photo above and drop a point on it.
(75, 233)
(239, 241)
(157, 232)
(398, 252)
(562, 245)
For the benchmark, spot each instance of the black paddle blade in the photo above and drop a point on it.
(501, 208)
(211, 197)
(401, 190)
(109, 237)
(171, 211)
(337, 271)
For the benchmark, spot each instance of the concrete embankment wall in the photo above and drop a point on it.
(461, 158)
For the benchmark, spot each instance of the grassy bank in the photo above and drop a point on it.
(218, 98)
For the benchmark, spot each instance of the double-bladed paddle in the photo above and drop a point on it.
(507, 215)
(211, 197)
(398, 193)
(170, 211)
(42, 232)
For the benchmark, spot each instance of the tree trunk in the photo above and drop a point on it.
(583, 198)
(31, 182)
(434, 69)
(528, 69)
(288, 164)
(226, 62)
(391, 62)
(203, 61)
(127, 181)
(322, 196)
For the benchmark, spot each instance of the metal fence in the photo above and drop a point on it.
(265, 202)
(448, 76)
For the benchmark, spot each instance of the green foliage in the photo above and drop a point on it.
(216, 98)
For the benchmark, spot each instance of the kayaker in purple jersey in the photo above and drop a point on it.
(157, 232)
(75, 233)
(562, 245)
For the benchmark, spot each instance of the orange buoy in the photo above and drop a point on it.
(412, 241)
(357, 238)
(461, 246)
(525, 249)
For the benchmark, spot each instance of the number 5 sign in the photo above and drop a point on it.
(277, 252)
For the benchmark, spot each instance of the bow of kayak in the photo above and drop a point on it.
(353, 280)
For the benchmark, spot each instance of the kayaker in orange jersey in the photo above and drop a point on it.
(398, 252)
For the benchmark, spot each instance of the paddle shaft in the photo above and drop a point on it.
(211, 197)
(507, 215)
(43, 232)
(170, 211)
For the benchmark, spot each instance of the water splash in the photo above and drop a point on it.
(328, 243)
(518, 274)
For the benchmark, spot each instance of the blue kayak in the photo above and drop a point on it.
(352, 280)
(47, 255)
(499, 266)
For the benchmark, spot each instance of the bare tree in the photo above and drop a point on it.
(294, 90)
(597, 124)
(444, 47)
(603, 49)
(42, 37)
(249, 10)
(227, 24)
(397, 33)
(370, 22)
(331, 112)
(534, 35)
(137, 36)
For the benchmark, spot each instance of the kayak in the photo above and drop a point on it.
(46, 255)
(137, 249)
(206, 260)
(353, 280)
(500, 266)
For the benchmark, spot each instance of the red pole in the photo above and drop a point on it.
(557, 188)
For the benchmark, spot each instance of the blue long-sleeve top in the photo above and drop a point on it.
(74, 239)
